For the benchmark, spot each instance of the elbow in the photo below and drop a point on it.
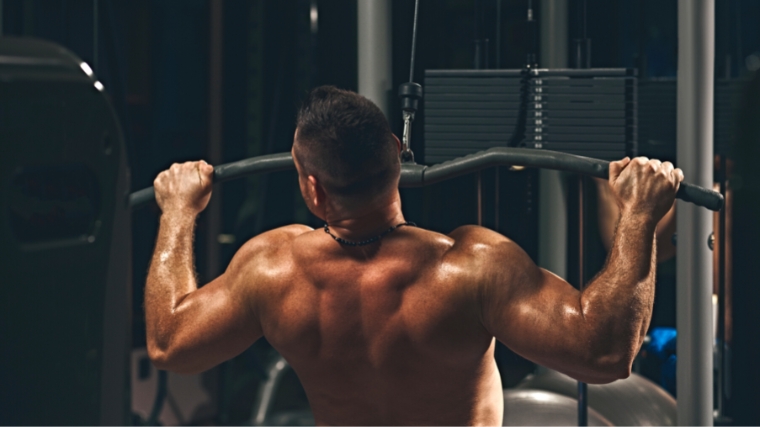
(160, 357)
(612, 367)
(166, 359)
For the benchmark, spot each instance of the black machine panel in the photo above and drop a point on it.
(65, 243)
(589, 112)
(728, 96)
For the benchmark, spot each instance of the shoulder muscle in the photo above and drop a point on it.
(267, 243)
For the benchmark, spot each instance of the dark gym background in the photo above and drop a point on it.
(153, 56)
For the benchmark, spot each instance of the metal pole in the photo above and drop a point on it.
(215, 136)
(554, 33)
(696, 56)
(480, 198)
(552, 203)
(496, 201)
(498, 35)
(582, 387)
(95, 22)
(374, 56)
(719, 249)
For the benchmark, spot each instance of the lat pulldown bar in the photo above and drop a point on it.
(416, 175)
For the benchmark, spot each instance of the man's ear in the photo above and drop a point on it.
(398, 142)
(316, 192)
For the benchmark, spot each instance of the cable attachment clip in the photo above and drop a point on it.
(410, 94)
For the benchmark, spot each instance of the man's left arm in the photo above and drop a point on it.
(189, 329)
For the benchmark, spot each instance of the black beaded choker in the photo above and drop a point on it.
(371, 239)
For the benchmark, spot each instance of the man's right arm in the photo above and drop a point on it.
(592, 335)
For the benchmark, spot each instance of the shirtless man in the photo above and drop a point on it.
(401, 330)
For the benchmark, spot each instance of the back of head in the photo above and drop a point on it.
(344, 140)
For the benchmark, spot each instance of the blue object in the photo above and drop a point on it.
(662, 344)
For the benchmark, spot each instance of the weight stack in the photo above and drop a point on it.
(588, 112)
(65, 243)
(467, 111)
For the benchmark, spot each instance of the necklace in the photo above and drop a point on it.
(371, 239)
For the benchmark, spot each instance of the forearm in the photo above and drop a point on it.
(617, 304)
(171, 277)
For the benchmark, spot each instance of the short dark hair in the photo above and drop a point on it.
(345, 141)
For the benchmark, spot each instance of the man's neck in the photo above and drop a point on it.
(367, 222)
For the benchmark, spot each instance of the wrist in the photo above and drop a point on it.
(643, 220)
(179, 217)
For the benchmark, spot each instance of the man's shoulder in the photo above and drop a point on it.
(487, 252)
(476, 239)
(270, 243)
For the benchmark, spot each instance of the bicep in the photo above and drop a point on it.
(536, 313)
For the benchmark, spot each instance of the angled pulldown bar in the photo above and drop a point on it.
(416, 175)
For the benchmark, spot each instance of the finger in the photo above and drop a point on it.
(642, 160)
(617, 167)
(207, 169)
(679, 177)
(655, 164)
(667, 168)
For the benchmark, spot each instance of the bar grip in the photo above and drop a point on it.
(700, 196)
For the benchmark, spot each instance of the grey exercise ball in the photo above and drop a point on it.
(543, 408)
(634, 401)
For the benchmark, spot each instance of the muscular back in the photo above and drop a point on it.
(385, 334)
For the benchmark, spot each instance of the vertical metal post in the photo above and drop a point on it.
(480, 198)
(719, 250)
(696, 62)
(582, 387)
(95, 33)
(496, 201)
(554, 33)
(498, 35)
(215, 135)
(552, 204)
(375, 55)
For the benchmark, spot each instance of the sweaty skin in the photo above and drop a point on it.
(401, 331)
